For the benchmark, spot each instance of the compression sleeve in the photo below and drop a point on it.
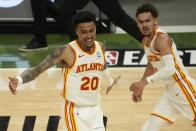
(20, 80)
(167, 71)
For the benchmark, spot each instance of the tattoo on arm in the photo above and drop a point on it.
(31, 73)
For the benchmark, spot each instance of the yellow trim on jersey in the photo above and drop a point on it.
(67, 71)
(72, 117)
(183, 76)
(162, 117)
(191, 86)
(69, 116)
(186, 93)
(183, 86)
(66, 116)
(150, 46)
(65, 79)
(76, 56)
(78, 45)
(103, 55)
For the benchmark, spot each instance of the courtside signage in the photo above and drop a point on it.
(112, 57)
(136, 58)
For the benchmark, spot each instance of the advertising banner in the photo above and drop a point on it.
(137, 58)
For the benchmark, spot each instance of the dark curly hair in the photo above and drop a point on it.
(147, 7)
(83, 16)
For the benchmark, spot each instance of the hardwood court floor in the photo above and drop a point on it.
(41, 98)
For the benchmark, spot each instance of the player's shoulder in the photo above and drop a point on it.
(65, 50)
(163, 41)
(101, 44)
(72, 46)
(163, 37)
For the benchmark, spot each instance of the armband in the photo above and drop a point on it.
(20, 80)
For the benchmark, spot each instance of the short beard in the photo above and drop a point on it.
(89, 47)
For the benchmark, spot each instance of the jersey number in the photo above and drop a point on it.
(89, 83)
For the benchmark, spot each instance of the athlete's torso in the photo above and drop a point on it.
(83, 79)
(180, 81)
(154, 58)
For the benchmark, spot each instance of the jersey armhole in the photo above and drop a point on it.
(75, 56)
(102, 51)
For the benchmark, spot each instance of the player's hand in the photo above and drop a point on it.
(136, 97)
(137, 89)
(13, 83)
(116, 79)
(138, 86)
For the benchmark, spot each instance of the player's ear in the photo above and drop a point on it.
(156, 21)
(77, 33)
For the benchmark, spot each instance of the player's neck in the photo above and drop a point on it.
(150, 37)
(87, 49)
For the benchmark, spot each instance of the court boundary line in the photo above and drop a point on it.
(169, 29)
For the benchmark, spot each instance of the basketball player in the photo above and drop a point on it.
(163, 64)
(85, 64)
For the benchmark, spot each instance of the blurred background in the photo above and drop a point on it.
(177, 17)
(15, 14)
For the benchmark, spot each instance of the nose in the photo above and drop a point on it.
(144, 24)
(89, 34)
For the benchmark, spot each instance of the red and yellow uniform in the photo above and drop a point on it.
(180, 95)
(82, 84)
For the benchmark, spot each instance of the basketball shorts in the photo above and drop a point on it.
(88, 118)
(172, 103)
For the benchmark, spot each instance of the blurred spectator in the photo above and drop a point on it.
(63, 10)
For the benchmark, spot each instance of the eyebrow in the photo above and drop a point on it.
(144, 20)
(88, 29)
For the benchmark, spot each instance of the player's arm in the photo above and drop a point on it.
(30, 74)
(148, 71)
(111, 81)
(106, 74)
(55, 58)
(149, 68)
(163, 45)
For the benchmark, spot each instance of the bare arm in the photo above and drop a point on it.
(61, 55)
(106, 74)
(148, 71)
(163, 44)
(31, 73)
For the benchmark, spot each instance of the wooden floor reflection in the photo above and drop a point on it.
(41, 98)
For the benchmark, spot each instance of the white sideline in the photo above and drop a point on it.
(169, 29)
